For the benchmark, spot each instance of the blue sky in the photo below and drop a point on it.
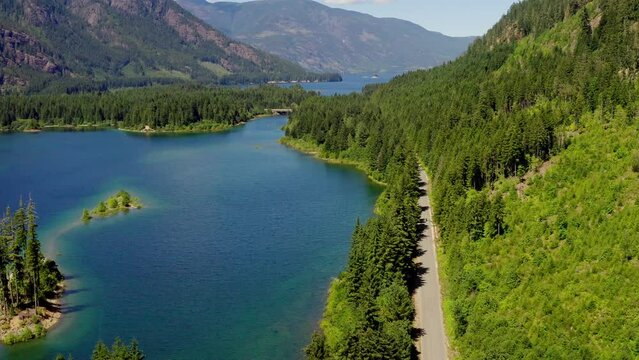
(451, 17)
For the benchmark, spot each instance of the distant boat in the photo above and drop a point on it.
(375, 76)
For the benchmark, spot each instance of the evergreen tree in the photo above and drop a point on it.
(25, 275)
(33, 255)
(113, 203)
(316, 350)
(118, 351)
(16, 253)
(125, 198)
(101, 352)
(5, 240)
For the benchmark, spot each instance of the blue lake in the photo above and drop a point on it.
(351, 83)
(230, 259)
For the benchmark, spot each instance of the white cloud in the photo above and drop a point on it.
(351, 2)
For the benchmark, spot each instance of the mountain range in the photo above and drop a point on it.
(130, 42)
(322, 38)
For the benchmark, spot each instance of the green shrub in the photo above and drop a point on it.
(39, 331)
(125, 198)
(86, 215)
(22, 336)
(113, 203)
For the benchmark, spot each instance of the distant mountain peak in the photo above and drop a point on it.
(322, 38)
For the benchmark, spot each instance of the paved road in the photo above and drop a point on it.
(433, 344)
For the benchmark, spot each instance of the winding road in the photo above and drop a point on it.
(433, 343)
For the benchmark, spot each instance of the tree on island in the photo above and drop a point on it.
(113, 203)
(16, 246)
(5, 237)
(86, 215)
(125, 198)
(33, 256)
(120, 202)
(26, 276)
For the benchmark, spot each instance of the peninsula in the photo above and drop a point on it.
(157, 109)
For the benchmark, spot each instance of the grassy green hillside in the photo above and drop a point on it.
(531, 142)
(562, 281)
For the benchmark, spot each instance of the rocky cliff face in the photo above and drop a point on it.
(35, 13)
(20, 49)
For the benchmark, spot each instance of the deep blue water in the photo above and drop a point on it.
(230, 259)
(351, 83)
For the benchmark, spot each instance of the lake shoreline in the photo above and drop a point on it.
(145, 131)
(152, 131)
(314, 151)
(125, 247)
(21, 328)
(192, 131)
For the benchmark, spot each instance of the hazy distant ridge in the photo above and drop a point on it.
(321, 38)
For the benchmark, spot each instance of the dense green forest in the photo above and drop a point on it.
(168, 108)
(27, 278)
(369, 314)
(61, 85)
(531, 141)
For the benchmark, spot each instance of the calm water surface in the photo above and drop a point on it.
(230, 259)
(351, 83)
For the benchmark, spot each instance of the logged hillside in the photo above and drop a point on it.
(531, 139)
(123, 42)
(321, 38)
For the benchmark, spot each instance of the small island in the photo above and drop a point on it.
(120, 202)
(30, 284)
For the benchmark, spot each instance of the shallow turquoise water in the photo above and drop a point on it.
(231, 258)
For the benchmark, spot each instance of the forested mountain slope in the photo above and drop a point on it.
(126, 42)
(322, 38)
(531, 139)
